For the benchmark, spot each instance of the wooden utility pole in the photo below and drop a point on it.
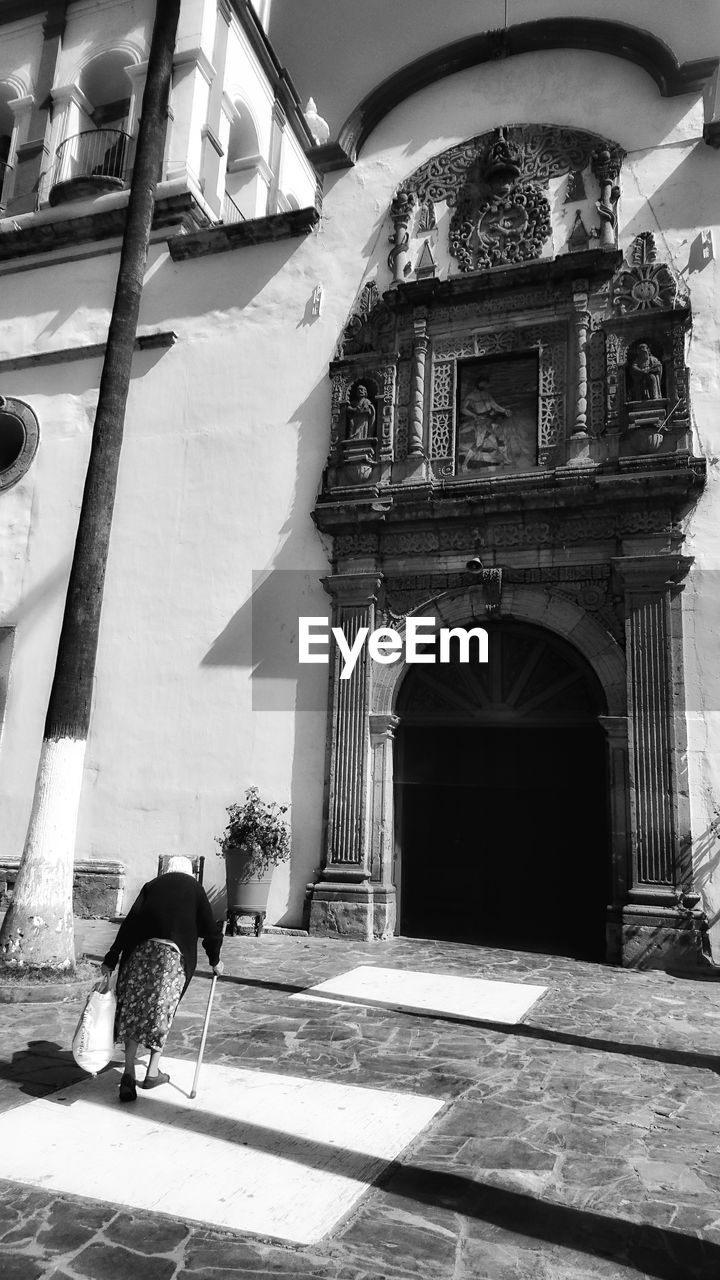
(37, 932)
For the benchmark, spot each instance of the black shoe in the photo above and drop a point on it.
(152, 1082)
(128, 1092)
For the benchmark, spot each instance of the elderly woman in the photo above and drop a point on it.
(157, 949)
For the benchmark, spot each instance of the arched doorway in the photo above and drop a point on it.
(501, 798)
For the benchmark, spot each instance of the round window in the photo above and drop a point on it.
(19, 435)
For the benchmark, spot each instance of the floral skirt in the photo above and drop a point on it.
(149, 987)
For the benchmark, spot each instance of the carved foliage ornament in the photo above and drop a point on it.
(542, 152)
(643, 284)
(370, 325)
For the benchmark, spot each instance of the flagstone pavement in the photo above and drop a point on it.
(581, 1144)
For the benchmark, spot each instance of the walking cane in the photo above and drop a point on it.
(193, 1091)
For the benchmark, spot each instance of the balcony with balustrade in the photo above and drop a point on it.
(90, 164)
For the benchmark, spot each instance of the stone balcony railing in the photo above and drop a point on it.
(90, 164)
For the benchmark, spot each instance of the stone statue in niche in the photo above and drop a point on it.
(359, 413)
(645, 374)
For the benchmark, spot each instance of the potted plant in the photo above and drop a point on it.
(255, 840)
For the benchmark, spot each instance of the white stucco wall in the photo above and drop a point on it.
(20, 51)
(226, 437)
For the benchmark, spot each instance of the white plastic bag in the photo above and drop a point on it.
(94, 1040)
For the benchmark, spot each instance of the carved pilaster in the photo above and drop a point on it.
(582, 325)
(417, 387)
(616, 732)
(650, 583)
(382, 738)
(354, 598)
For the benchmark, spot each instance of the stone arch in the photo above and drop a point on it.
(526, 604)
(8, 94)
(619, 39)
(244, 138)
(133, 54)
(103, 77)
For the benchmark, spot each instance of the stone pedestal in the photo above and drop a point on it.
(659, 925)
(359, 912)
(656, 937)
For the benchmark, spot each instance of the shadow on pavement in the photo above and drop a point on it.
(42, 1068)
(527, 1030)
(653, 1251)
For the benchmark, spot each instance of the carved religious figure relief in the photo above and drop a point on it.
(498, 415)
(359, 414)
(479, 423)
(645, 374)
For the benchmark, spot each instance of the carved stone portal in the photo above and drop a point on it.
(526, 417)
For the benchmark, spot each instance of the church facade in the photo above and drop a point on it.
(451, 355)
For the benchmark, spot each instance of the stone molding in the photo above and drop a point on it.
(618, 39)
(89, 351)
(240, 235)
(23, 415)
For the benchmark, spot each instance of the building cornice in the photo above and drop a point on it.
(616, 38)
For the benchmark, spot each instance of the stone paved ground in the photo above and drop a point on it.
(581, 1145)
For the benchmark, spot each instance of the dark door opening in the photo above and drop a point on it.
(502, 813)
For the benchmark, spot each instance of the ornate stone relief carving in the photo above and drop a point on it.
(550, 342)
(401, 213)
(370, 325)
(559, 529)
(606, 163)
(545, 151)
(496, 184)
(500, 215)
(646, 375)
(644, 284)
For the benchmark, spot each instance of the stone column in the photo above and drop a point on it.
(579, 447)
(137, 75)
(343, 900)
(416, 428)
(212, 175)
(22, 111)
(277, 133)
(32, 154)
(606, 167)
(401, 211)
(193, 74)
(582, 324)
(660, 925)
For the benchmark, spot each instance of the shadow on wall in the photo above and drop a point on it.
(706, 861)
(262, 637)
(189, 288)
(686, 200)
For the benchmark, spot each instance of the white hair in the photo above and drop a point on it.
(179, 863)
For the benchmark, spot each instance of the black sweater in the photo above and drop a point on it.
(174, 907)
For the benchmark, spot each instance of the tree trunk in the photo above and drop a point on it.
(38, 929)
